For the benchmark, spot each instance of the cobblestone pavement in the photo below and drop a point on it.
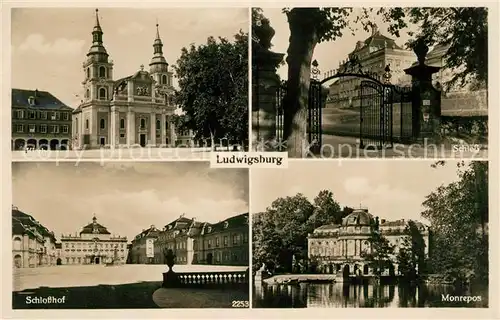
(91, 275)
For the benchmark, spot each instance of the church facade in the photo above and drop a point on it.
(338, 249)
(132, 111)
(93, 245)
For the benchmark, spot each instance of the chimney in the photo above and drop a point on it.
(374, 29)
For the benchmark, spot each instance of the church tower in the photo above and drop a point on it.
(159, 67)
(98, 71)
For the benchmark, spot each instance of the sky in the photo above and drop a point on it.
(49, 56)
(126, 197)
(328, 54)
(391, 190)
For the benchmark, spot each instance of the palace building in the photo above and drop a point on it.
(134, 110)
(374, 54)
(195, 242)
(39, 121)
(93, 245)
(33, 245)
(339, 248)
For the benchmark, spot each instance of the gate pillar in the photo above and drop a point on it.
(426, 98)
(265, 83)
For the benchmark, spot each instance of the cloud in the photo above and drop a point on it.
(61, 46)
(131, 28)
(357, 185)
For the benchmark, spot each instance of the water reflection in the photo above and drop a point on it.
(314, 295)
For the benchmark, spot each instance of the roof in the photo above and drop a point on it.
(24, 223)
(358, 217)
(94, 228)
(230, 223)
(328, 227)
(42, 100)
(376, 40)
(151, 232)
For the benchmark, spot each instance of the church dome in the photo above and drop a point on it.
(358, 217)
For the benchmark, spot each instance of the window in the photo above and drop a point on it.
(43, 115)
(87, 93)
(52, 116)
(86, 123)
(236, 239)
(102, 94)
(143, 123)
(20, 114)
(58, 116)
(158, 123)
(20, 128)
(122, 123)
(209, 243)
(32, 114)
(55, 129)
(102, 72)
(163, 79)
(122, 135)
(88, 74)
(65, 116)
(217, 242)
(102, 124)
(245, 237)
(65, 129)
(225, 241)
(166, 125)
(31, 101)
(31, 128)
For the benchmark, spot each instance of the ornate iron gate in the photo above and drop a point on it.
(314, 116)
(280, 95)
(375, 115)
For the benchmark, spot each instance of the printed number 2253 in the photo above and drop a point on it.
(240, 304)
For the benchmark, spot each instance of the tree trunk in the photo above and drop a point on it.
(303, 40)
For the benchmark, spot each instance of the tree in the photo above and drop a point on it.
(213, 88)
(281, 232)
(326, 211)
(308, 27)
(462, 30)
(458, 213)
(379, 255)
(411, 255)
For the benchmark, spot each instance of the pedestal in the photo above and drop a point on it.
(170, 279)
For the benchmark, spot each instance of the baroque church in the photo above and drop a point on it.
(131, 111)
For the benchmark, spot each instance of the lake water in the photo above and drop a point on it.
(338, 295)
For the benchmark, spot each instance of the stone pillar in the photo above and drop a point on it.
(172, 135)
(152, 127)
(163, 128)
(130, 128)
(130, 92)
(113, 128)
(427, 99)
(265, 83)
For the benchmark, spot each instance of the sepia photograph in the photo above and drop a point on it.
(357, 235)
(125, 83)
(129, 235)
(370, 82)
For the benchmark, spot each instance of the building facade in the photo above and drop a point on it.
(134, 110)
(142, 247)
(339, 248)
(374, 54)
(195, 242)
(39, 121)
(33, 245)
(93, 245)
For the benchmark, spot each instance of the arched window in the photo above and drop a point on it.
(102, 124)
(17, 243)
(163, 79)
(122, 123)
(158, 124)
(102, 72)
(102, 94)
(87, 93)
(143, 123)
(88, 72)
(86, 123)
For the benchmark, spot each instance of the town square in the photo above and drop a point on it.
(195, 248)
